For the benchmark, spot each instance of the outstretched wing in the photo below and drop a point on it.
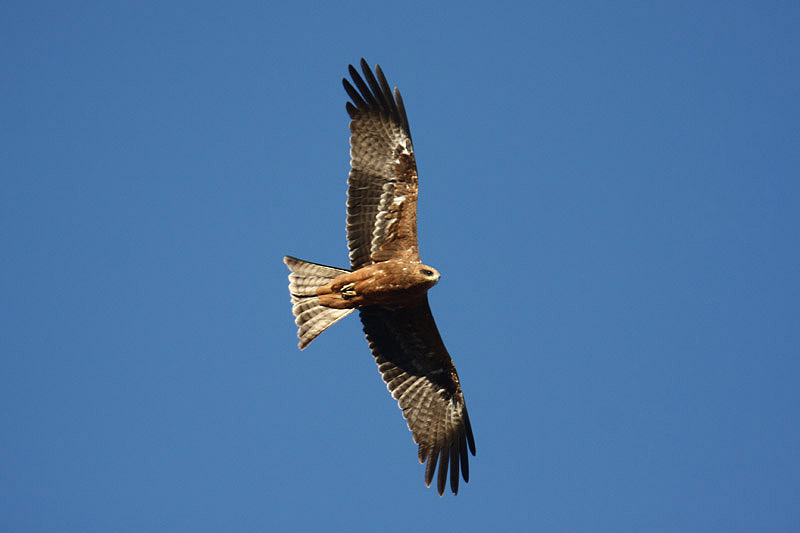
(382, 188)
(421, 376)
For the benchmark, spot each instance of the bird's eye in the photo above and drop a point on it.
(426, 272)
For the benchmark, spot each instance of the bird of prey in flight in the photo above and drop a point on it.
(387, 283)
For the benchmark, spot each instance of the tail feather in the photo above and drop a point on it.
(311, 317)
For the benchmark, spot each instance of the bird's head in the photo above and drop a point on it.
(428, 275)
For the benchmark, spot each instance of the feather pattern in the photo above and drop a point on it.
(311, 317)
(382, 192)
(421, 376)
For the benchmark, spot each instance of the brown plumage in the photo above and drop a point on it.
(388, 283)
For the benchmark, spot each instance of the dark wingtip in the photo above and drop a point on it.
(371, 93)
(401, 111)
(468, 428)
(357, 101)
(430, 468)
(462, 452)
(454, 457)
(444, 467)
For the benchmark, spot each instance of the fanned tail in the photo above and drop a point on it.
(311, 317)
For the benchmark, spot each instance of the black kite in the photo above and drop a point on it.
(388, 283)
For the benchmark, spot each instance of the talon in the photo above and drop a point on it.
(348, 291)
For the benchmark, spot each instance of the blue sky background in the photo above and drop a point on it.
(610, 191)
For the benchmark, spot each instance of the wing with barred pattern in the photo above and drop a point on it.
(421, 376)
(383, 186)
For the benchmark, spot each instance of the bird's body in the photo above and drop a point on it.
(396, 283)
(388, 283)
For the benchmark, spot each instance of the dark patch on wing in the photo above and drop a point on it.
(406, 168)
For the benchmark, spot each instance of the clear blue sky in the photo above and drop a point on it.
(611, 193)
